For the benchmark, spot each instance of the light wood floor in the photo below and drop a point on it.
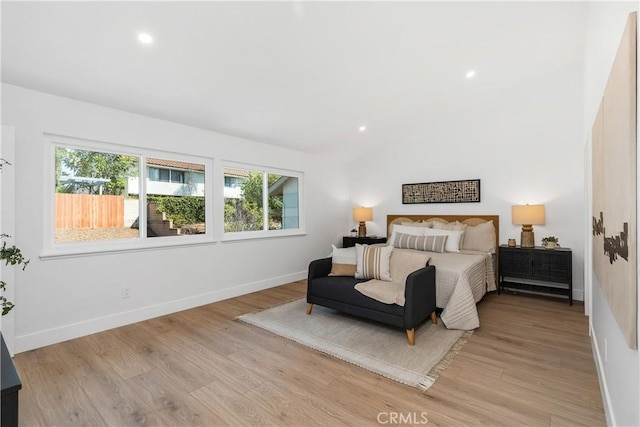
(529, 363)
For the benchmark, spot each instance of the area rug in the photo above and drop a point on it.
(373, 346)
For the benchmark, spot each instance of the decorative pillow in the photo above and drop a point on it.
(455, 226)
(481, 237)
(405, 229)
(453, 238)
(343, 261)
(421, 243)
(428, 224)
(373, 262)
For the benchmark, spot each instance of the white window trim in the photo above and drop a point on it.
(52, 250)
(263, 234)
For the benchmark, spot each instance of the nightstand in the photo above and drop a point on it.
(348, 241)
(549, 268)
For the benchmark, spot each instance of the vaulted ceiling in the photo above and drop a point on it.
(304, 75)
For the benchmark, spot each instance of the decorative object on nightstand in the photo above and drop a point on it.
(550, 242)
(362, 215)
(511, 243)
(545, 271)
(527, 216)
(348, 241)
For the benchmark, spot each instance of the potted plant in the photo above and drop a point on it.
(550, 242)
(10, 255)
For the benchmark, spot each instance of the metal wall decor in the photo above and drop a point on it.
(466, 191)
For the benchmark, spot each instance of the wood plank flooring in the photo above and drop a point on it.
(530, 363)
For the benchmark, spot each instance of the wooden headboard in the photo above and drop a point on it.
(465, 219)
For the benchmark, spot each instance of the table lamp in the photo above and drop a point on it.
(527, 216)
(361, 215)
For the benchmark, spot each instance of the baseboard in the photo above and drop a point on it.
(602, 379)
(63, 333)
(578, 294)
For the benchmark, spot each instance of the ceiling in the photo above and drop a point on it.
(303, 75)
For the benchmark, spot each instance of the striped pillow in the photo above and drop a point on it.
(421, 243)
(373, 262)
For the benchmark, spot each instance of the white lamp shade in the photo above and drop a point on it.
(362, 214)
(527, 214)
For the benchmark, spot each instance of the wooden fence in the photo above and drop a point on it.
(89, 211)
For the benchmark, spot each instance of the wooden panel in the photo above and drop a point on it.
(89, 211)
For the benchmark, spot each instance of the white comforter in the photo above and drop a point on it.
(462, 279)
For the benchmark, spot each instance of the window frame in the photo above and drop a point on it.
(229, 236)
(53, 249)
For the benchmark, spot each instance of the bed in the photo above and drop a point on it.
(462, 278)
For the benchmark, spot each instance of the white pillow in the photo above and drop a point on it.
(373, 262)
(343, 261)
(456, 226)
(404, 229)
(453, 238)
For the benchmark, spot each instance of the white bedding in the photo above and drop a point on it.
(462, 279)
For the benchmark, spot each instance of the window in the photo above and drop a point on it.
(265, 201)
(91, 200)
(99, 196)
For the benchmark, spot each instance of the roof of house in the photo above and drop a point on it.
(175, 164)
(239, 173)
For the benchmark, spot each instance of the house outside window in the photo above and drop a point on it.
(98, 197)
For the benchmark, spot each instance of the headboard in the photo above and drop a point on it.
(465, 219)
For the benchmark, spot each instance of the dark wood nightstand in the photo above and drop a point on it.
(549, 268)
(348, 241)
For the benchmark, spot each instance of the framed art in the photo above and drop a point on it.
(465, 191)
(614, 172)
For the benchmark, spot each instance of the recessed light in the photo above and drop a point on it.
(362, 128)
(145, 38)
(471, 74)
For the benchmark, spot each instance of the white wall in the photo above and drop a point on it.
(58, 299)
(523, 141)
(620, 372)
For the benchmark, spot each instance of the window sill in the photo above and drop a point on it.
(80, 250)
(260, 235)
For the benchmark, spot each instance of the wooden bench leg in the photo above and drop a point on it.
(434, 318)
(309, 308)
(411, 336)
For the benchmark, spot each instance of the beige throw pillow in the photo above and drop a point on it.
(343, 261)
(481, 237)
(373, 262)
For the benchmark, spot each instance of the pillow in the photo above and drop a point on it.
(373, 262)
(428, 224)
(421, 243)
(481, 237)
(406, 229)
(343, 261)
(455, 226)
(453, 238)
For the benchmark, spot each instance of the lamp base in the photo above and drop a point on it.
(362, 229)
(527, 240)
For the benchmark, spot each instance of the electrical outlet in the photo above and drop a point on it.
(125, 291)
(606, 352)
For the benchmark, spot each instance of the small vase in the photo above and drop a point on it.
(550, 245)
